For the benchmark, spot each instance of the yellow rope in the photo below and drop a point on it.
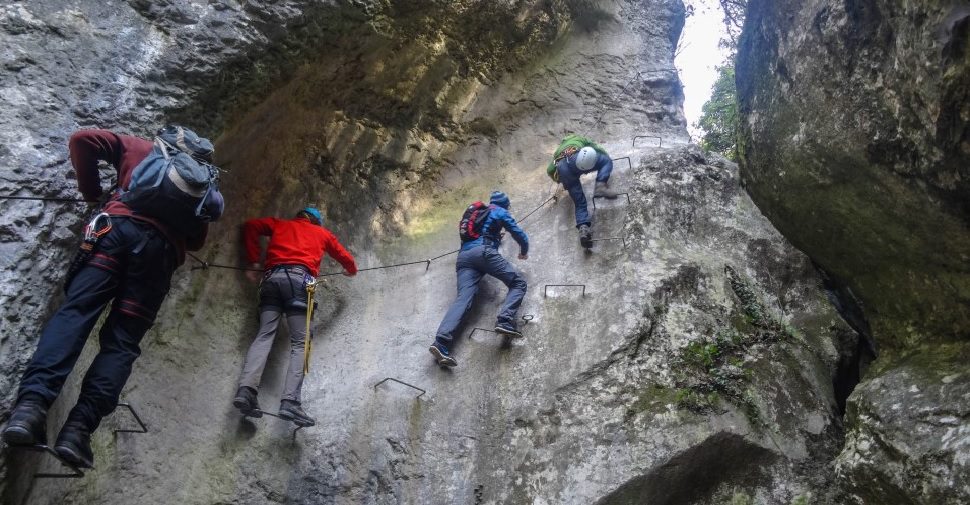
(311, 286)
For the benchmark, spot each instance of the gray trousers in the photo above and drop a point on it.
(282, 293)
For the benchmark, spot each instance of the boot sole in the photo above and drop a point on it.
(511, 333)
(441, 359)
(18, 435)
(286, 416)
(246, 410)
(72, 456)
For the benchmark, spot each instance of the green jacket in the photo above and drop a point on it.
(571, 140)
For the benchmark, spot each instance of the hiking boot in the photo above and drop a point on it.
(292, 411)
(245, 401)
(586, 236)
(441, 356)
(508, 329)
(74, 444)
(602, 190)
(28, 422)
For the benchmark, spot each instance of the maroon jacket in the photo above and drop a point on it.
(123, 152)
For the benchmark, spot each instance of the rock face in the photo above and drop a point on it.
(701, 363)
(909, 438)
(93, 64)
(855, 143)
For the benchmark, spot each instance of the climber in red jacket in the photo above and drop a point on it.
(296, 248)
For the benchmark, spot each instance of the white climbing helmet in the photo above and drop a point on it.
(586, 159)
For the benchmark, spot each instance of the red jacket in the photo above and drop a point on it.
(294, 242)
(123, 152)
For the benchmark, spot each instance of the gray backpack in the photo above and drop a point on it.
(175, 183)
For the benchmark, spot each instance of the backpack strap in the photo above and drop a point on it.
(180, 140)
(202, 202)
(162, 146)
(488, 209)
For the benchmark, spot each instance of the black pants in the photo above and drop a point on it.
(132, 265)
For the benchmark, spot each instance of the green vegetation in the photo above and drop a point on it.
(716, 370)
(696, 401)
(741, 499)
(715, 366)
(655, 398)
(719, 115)
(734, 13)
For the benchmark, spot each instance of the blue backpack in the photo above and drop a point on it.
(175, 184)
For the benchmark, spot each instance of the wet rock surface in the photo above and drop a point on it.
(700, 364)
(855, 144)
(909, 438)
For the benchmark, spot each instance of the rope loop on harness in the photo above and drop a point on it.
(311, 286)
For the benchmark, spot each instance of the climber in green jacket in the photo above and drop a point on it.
(577, 156)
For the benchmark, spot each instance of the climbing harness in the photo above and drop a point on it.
(92, 234)
(311, 286)
(567, 152)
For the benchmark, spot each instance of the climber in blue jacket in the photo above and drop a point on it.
(481, 234)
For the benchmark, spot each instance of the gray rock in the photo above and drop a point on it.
(853, 147)
(909, 438)
(699, 366)
(855, 144)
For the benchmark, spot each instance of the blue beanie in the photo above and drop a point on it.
(313, 214)
(499, 198)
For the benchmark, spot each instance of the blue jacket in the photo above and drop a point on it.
(498, 219)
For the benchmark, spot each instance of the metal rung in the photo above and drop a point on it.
(262, 412)
(483, 329)
(401, 382)
(77, 472)
(547, 286)
(270, 414)
(525, 320)
(659, 139)
(618, 194)
(611, 238)
(143, 429)
(628, 161)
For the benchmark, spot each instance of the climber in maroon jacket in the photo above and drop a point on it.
(130, 260)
